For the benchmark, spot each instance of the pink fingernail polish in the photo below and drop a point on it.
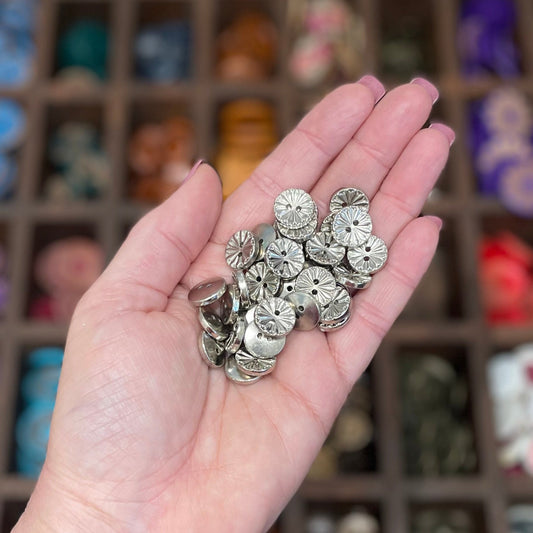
(436, 220)
(193, 170)
(446, 130)
(374, 85)
(429, 87)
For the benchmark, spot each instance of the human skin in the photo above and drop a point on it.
(145, 437)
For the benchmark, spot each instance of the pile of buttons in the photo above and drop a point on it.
(506, 279)
(163, 51)
(287, 276)
(444, 520)
(349, 447)
(520, 518)
(81, 166)
(510, 378)
(38, 389)
(437, 431)
(248, 133)
(357, 521)
(486, 38)
(329, 43)
(12, 132)
(160, 156)
(64, 270)
(17, 46)
(4, 282)
(502, 143)
(82, 50)
(247, 48)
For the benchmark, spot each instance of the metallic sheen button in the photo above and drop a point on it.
(348, 197)
(294, 208)
(318, 282)
(369, 257)
(300, 234)
(262, 282)
(285, 258)
(275, 317)
(254, 366)
(306, 309)
(322, 249)
(351, 226)
(328, 327)
(351, 280)
(236, 336)
(211, 351)
(207, 292)
(327, 223)
(241, 249)
(242, 285)
(232, 304)
(234, 374)
(265, 234)
(337, 307)
(261, 345)
(212, 324)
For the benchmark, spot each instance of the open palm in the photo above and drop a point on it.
(145, 437)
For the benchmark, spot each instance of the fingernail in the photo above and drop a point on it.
(193, 170)
(436, 220)
(430, 88)
(374, 85)
(446, 130)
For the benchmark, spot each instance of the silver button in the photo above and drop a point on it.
(249, 317)
(254, 366)
(285, 258)
(232, 304)
(334, 325)
(265, 234)
(234, 374)
(236, 336)
(242, 285)
(350, 280)
(212, 324)
(261, 345)
(207, 292)
(275, 317)
(318, 282)
(348, 197)
(327, 223)
(241, 249)
(300, 234)
(211, 351)
(369, 257)
(262, 282)
(306, 310)
(322, 249)
(351, 226)
(337, 307)
(294, 208)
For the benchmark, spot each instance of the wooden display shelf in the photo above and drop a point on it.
(122, 101)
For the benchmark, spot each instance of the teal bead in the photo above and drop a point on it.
(85, 44)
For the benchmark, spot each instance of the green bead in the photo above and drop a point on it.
(84, 44)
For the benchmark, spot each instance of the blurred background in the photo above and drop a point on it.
(106, 104)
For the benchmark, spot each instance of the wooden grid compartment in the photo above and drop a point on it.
(123, 101)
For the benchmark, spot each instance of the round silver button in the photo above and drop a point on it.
(265, 234)
(294, 208)
(318, 282)
(232, 304)
(212, 324)
(351, 280)
(369, 257)
(348, 197)
(262, 282)
(236, 336)
(322, 249)
(306, 310)
(327, 223)
(300, 234)
(351, 226)
(237, 376)
(241, 249)
(334, 325)
(274, 317)
(261, 345)
(211, 351)
(254, 366)
(242, 285)
(337, 307)
(285, 258)
(207, 292)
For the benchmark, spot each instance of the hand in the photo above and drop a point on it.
(145, 437)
